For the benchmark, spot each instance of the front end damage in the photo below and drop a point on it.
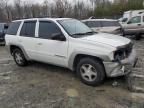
(125, 58)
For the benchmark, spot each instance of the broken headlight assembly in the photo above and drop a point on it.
(123, 52)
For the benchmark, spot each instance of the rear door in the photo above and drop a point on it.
(27, 38)
(133, 26)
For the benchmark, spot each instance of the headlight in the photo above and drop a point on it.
(119, 55)
(123, 52)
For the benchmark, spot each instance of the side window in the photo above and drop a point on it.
(6, 26)
(13, 28)
(136, 19)
(86, 23)
(47, 29)
(106, 23)
(92, 24)
(110, 23)
(28, 29)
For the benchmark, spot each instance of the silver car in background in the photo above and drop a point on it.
(104, 25)
(134, 25)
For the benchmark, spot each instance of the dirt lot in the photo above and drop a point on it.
(45, 86)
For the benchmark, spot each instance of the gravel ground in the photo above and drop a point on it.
(45, 86)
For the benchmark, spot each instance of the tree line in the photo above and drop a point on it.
(79, 9)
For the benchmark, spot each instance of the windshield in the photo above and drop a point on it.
(75, 28)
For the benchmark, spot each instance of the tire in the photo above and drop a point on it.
(138, 36)
(19, 57)
(90, 71)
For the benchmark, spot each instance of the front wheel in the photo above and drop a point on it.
(19, 57)
(90, 71)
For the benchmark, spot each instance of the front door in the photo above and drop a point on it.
(49, 50)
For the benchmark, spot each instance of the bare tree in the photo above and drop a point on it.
(5, 9)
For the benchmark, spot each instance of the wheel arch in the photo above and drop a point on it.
(78, 57)
(12, 47)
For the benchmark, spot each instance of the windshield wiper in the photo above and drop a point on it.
(86, 33)
(83, 34)
(79, 34)
(91, 32)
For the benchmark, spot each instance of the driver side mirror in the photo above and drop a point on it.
(58, 36)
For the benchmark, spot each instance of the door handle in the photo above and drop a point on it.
(39, 43)
(139, 24)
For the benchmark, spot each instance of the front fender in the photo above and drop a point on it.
(74, 54)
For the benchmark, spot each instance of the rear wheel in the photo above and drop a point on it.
(19, 57)
(90, 71)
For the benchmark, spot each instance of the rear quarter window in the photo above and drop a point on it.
(13, 28)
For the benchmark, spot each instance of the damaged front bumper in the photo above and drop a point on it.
(123, 67)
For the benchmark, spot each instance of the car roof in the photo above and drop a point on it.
(52, 19)
(99, 20)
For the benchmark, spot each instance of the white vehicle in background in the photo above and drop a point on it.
(133, 23)
(129, 14)
(104, 25)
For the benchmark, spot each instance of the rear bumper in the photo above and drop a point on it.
(114, 69)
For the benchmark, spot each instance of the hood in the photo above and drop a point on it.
(109, 39)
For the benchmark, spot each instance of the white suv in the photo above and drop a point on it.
(69, 43)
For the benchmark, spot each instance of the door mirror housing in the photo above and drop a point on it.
(58, 36)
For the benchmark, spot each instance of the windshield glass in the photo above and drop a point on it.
(75, 28)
